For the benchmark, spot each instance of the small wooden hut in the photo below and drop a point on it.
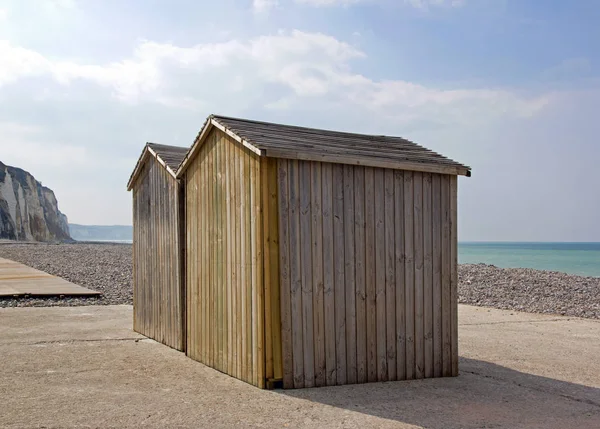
(158, 287)
(318, 258)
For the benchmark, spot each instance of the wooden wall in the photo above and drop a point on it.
(158, 297)
(225, 257)
(368, 274)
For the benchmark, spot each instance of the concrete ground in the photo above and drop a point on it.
(84, 367)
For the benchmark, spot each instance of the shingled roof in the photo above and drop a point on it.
(169, 157)
(294, 142)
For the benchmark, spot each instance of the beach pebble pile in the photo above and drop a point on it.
(102, 267)
(529, 290)
(107, 268)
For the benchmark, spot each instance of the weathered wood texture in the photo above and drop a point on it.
(368, 285)
(158, 288)
(225, 256)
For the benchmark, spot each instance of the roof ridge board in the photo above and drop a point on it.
(151, 144)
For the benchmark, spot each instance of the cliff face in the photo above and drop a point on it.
(28, 210)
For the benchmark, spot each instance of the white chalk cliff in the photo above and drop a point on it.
(28, 210)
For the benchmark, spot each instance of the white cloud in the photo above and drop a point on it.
(3, 14)
(262, 6)
(425, 4)
(323, 3)
(285, 70)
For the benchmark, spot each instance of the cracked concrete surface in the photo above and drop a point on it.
(83, 367)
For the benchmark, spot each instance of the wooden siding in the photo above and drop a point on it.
(368, 274)
(158, 297)
(226, 273)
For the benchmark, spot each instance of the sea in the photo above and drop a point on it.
(582, 259)
(573, 258)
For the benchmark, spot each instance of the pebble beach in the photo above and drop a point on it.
(108, 268)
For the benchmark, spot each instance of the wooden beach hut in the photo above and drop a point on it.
(158, 287)
(319, 258)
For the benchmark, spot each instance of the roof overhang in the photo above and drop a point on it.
(146, 153)
(369, 162)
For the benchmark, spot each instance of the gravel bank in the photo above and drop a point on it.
(107, 268)
(529, 290)
(102, 267)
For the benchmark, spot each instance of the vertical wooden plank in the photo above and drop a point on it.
(338, 272)
(400, 277)
(328, 277)
(380, 274)
(156, 237)
(238, 197)
(149, 275)
(151, 289)
(304, 175)
(160, 228)
(214, 325)
(427, 276)
(188, 276)
(243, 265)
(223, 249)
(268, 256)
(253, 275)
(219, 200)
(156, 290)
(148, 237)
(454, 273)
(284, 272)
(370, 274)
(317, 273)
(180, 262)
(148, 260)
(135, 256)
(211, 248)
(437, 273)
(359, 267)
(390, 275)
(140, 284)
(446, 298)
(196, 252)
(350, 274)
(418, 249)
(188, 266)
(259, 277)
(409, 274)
(271, 258)
(162, 236)
(296, 274)
(226, 223)
(153, 293)
(249, 267)
(274, 249)
(229, 255)
(202, 259)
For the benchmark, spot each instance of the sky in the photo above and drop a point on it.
(509, 87)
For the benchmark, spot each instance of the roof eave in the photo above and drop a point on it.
(370, 162)
(210, 123)
(148, 151)
(138, 168)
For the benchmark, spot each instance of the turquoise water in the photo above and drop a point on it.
(573, 258)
